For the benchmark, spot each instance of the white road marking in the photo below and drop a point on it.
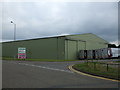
(46, 67)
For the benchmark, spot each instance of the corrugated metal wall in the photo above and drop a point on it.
(62, 47)
(72, 48)
(0, 50)
(47, 48)
(75, 43)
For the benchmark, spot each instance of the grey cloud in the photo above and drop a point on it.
(48, 19)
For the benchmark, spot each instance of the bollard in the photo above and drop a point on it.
(107, 67)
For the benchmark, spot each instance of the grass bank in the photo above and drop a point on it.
(96, 68)
(42, 60)
(117, 61)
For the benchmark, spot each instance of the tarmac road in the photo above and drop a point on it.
(34, 74)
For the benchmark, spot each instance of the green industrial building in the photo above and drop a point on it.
(58, 47)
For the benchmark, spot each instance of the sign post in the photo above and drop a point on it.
(21, 53)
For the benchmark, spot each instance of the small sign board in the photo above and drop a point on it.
(21, 53)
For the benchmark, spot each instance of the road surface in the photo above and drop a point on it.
(34, 74)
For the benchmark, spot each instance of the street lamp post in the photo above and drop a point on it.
(14, 37)
(14, 30)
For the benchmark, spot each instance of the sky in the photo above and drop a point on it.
(42, 19)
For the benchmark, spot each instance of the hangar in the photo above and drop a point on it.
(57, 47)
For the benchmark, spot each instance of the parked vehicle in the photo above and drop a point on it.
(89, 54)
(102, 53)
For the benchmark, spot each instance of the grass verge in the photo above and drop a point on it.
(95, 68)
(117, 61)
(42, 60)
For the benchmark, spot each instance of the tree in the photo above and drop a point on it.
(118, 46)
(112, 46)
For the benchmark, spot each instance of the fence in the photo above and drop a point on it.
(114, 65)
